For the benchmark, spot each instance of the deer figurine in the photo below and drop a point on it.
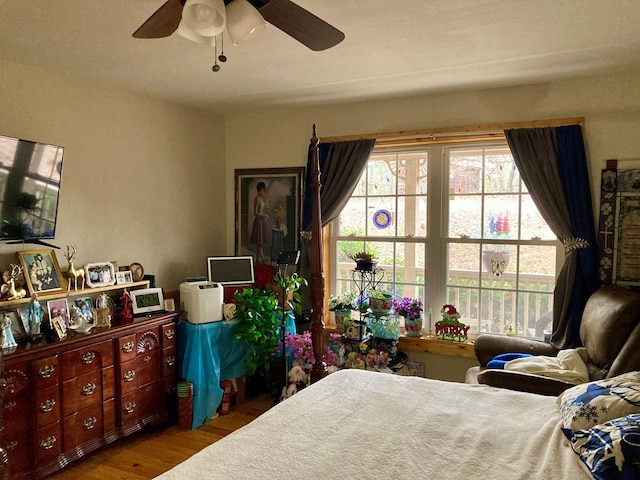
(13, 293)
(72, 273)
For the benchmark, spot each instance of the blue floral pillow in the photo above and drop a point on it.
(611, 450)
(595, 403)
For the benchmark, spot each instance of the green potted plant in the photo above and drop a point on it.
(291, 285)
(365, 261)
(341, 306)
(258, 327)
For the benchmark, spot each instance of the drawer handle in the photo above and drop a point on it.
(88, 389)
(128, 347)
(11, 445)
(10, 405)
(89, 423)
(46, 371)
(129, 407)
(170, 360)
(129, 376)
(48, 442)
(147, 359)
(88, 358)
(47, 405)
(169, 334)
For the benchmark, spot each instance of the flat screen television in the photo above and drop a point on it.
(30, 174)
(231, 270)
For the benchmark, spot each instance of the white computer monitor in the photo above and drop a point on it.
(231, 270)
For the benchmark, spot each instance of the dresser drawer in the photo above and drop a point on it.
(127, 348)
(46, 406)
(83, 360)
(48, 443)
(128, 376)
(169, 337)
(82, 427)
(148, 367)
(17, 402)
(18, 448)
(169, 361)
(81, 392)
(45, 372)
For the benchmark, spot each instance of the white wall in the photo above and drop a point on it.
(140, 176)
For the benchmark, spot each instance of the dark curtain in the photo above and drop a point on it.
(553, 166)
(341, 166)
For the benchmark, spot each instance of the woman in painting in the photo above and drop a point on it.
(259, 231)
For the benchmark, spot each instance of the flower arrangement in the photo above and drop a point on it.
(299, 348)
(408, 307)
(450, 328)
(346, 301)
(385, 327)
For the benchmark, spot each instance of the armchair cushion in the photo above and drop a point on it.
(522, 382)
(594, 403)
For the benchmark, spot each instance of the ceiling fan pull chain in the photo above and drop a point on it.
(222, 57)
(215, 67)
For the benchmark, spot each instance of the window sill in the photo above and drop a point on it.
(431, 345)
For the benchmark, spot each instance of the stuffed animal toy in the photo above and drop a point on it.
(297, 379)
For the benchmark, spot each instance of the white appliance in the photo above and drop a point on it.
(202, 302)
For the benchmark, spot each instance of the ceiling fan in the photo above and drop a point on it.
(292, 19)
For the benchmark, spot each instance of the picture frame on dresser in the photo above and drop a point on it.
(41, 271)
(99, 274)
(58, 308)
(20, 335)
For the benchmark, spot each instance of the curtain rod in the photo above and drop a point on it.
(464, 129)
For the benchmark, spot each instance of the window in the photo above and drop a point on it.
(453, 223)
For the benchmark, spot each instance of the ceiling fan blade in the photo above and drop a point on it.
(163, 22)
(300, 24)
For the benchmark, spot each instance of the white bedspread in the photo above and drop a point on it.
(359, 424)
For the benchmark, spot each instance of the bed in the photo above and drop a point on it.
(363, 424)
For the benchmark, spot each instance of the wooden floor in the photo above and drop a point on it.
(153, 451)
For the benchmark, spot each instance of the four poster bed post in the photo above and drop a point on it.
(317, 275)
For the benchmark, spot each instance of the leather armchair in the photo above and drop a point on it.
(610, 331)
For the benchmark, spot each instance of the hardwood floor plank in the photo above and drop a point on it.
(153, 451)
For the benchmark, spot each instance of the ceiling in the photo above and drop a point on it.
(392, 48)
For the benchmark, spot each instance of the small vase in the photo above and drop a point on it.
(413, 327)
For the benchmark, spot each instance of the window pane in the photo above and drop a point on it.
(537, 268)
(464, 216)
(352, 221)
(412, 173)
(533, 225)
(465, 171)
(501, 174)
(535, 314)
(501, 216)
(361, 188)
(345, 247)
(381, 180)
(376, 220)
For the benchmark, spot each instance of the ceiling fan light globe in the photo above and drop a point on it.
(244, 22)
(204, 17)
(185, 32)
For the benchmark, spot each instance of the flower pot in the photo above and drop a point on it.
(365, 265)
(380, 306)
(356, 330)
(413, 327)
(340, 317)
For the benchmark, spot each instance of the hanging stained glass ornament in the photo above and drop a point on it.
(382, 218)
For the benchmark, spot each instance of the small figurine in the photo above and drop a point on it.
(9, 287)
(126, 315)
(36, 313)
(6, 336)
(77, 319)
(72, 273)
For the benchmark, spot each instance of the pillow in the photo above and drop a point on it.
(499, 360)
(611, 450)
(594, 403)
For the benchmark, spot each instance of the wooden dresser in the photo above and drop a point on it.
(69, 397)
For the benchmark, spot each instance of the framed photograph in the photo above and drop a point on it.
(17, 327)
(99, 274)
(41, 271)
(103, 317)
(86, 308)
(23, 315)
(58, 308)
(59, 325)
(124, 276)
(169, 304)
(268, 212)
